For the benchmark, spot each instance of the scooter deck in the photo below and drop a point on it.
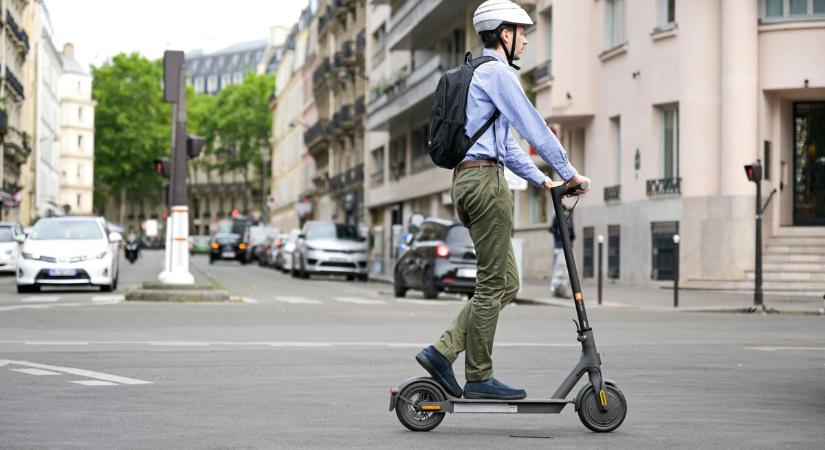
(471, 406)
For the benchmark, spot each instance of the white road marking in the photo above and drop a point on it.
(425, 302)
(273, 344)
(40, 299)
(249, 300)
(298, 300)
(104, 299)
(37, 372)
(359, 301)
(81, 372)
(94, 383)
(791, 349)
(49, 305)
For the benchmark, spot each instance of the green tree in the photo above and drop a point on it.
(132, 128)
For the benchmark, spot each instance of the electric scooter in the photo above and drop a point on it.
(421, 403)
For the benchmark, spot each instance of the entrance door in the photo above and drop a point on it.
(809, 163)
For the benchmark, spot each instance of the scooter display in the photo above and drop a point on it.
(131, 251)
(421, 402)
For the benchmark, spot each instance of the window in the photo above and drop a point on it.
(669, 140)
(398, 158)
(420, 157)
(779, 10)
(78, 201)
(667, 13)
(226, 80)
(613, 239)
(79, 86)
(377, 175)
(663, 265)
(79, 172)
(80, 113)
(237, 78)
(80, 143)
(614, 23)
(212, 84)
(199, 85)
(616, 127)
(587, 267)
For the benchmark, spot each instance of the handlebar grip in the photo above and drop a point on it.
(577, 189)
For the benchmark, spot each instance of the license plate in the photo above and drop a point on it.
(62, 272)
(467, 273)
(338, 259)
(228, 254)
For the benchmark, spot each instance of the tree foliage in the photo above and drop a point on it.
(132, 126)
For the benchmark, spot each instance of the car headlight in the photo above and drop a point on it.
(309, 247)
(33, 256)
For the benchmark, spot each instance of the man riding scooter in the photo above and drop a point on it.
(132, 248)
(484, 202)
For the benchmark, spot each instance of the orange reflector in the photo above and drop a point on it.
(578, 296)
(431, 407)
(215, 245)
(242, 246)
(603, 398)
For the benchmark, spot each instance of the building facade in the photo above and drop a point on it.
(335, 138)
(77, 133)
(661, 103)
(15, 56)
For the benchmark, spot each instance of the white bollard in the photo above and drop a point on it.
(177, 251)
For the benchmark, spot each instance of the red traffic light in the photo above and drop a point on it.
(754, 172)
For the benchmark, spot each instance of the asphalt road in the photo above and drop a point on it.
(308, 364)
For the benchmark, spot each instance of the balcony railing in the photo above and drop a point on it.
(319, 75)
(21, 35)
(315, 132)
(612, 193)
(664, 186)
(347, 53)
(14, 83)
(542, 72)
(361, 41)
(342, 118)
(360, 106)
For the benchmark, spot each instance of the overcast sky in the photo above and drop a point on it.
(100, 29)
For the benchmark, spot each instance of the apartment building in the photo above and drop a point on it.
(77, 133)
(335, 140)
(660, 102)
(17, 144)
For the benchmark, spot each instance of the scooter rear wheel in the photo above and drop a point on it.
(409, 415)
(587, 403)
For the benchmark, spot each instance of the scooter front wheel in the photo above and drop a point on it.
(407, 411)
(587, 403)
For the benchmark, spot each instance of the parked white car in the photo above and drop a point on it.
(68, 251)
(8, 245)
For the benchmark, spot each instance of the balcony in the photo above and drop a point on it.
(14, 84)
(19, 35)
(416, 23)
(361, 41)
(664, 186)
(360, 107)
(342, 119)
(542, 73)
(319, 75)
(347, 53)
(612, 193)
(406, 92)
(316, 133)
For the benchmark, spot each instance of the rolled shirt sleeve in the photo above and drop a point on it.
(508, 96)
(521, 164)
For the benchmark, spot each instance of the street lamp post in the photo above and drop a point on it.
(676, 240)
(599, 276)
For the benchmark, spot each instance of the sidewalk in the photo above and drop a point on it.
(661, 299)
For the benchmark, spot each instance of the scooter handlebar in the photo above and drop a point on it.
(571, 191)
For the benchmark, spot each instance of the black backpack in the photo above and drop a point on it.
(446, 141)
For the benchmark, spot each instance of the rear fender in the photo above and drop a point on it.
(395, 392)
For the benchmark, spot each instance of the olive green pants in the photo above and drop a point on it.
(484, 205)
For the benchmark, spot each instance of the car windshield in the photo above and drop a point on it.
(332, 231)
(202, 239)
(226, 236)
(458, 235)
(6, 234)
(66, 230)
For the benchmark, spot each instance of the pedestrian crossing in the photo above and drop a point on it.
(353, 300)
(39, 302)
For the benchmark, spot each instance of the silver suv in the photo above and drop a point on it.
(330, 248)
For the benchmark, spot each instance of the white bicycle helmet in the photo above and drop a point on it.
(493, 13)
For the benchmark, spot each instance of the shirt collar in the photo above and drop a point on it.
(494, 54)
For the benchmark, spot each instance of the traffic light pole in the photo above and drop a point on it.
(176, 270)
(758, 300)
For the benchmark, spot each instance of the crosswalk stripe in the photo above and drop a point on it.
(94, 383)
(359, 301)
(425, 302)
(36, 372)
(298, 300)
(107, 298)
(40, 299)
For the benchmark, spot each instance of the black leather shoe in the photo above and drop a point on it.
(492, 389)
(440, 369)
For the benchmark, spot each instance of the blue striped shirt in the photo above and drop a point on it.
(494, 86)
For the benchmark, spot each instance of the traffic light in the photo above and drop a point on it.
(754, 171)
(163, 167)
(194, 146)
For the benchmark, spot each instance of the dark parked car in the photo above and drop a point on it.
(439, 258)
(227, 246)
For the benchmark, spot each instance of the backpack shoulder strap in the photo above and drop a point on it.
(475, 63)
(481, 60)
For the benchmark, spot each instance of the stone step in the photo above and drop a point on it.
(805, 250)
(775, 275)
(801, 231)
(794, 258)
(817, 267)
(784, 286)
(797, 241)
